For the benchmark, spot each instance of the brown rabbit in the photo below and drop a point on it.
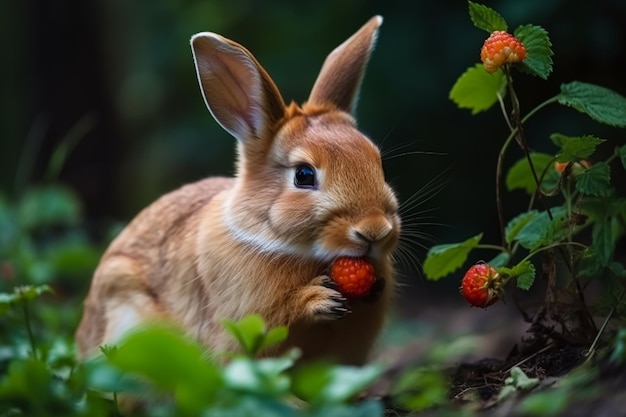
(309, 188)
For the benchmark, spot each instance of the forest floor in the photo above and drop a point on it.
(477, 350)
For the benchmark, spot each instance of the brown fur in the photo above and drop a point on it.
(227, 247)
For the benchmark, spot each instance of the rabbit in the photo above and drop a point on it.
(309, 187)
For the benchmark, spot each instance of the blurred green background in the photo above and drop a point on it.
(119, 75)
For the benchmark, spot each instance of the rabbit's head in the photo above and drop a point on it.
(309, 183)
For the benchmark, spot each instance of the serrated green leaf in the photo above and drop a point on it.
(518, 223)
(486, 18)
(538, 50)
(603, 241)
(595, 180)
(542, 230)
(600, 103)
(621, 153)
(574, 148)
(520, 176)
(525, 273)
(444, 259)
(478, 90)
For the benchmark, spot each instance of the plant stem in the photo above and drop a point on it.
(494, 247)
(31, 337)
(552, 246)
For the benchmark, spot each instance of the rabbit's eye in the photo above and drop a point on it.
(305, 177)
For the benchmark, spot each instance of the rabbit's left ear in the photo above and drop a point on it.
(340, 78)
(239, 93)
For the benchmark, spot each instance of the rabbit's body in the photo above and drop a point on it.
(309, 188)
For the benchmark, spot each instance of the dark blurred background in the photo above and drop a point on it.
(119, 75)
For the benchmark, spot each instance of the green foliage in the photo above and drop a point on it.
(518, 223)
(520, 175)
(477, 89)
(517, 381)
(600, 103)
(596, 180)
(421, 388)
(575, 215)
(523, 271)
(486, 18)
(252, 335)
(444, 259)
(538, 60)
(574, 148)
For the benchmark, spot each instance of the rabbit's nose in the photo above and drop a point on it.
(372, 229)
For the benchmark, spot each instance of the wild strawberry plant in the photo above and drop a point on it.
(575, 217)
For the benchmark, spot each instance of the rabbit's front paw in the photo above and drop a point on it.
(322, 300)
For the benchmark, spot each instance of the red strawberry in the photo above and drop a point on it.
(481, 285)
(501, 48)
(353, 276)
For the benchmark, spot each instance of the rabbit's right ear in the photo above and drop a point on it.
(240, 95)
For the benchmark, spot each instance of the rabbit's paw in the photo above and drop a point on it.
(322, 300)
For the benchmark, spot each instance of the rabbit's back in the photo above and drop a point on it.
(140, 260)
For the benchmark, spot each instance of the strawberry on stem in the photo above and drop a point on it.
(481, 285)
(501, 48)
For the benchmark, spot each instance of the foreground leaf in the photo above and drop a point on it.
(444, 259)
(486, 18)
(600, 103)
(478, 90)
(538, 50)
(575, 148)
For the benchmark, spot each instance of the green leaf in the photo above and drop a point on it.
(595, 180)
(525, 273)
(621, 153)
(574, 148)
(170, 361)
(518, 223)
(520, 176)
(259, 376)
(274, 336)
(486, 18)
(30, 292)
(323, 383)
(538, 50)
(600, 103)
(542, 230)
(49, 206)
(444, 259)
(421, 388)
(603, 241)
(249, 332)
(478, 90)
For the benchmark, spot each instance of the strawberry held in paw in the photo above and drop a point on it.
(354, 276)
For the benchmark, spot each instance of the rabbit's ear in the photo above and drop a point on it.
(241, 96)
(341, 75)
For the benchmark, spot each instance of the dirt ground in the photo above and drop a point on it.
(481, 347)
